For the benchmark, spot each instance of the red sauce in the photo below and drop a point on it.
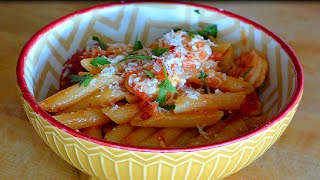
(72, 66)
(251, 106)
(171, 49)
(75, 66)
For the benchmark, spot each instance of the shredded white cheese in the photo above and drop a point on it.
(184, 52)
(192, 94)
(114, 85)
(114, 108)
(217, 91)
(109, 71)
(204, 134)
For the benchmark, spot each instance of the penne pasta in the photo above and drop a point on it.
(224, 131)
(162, 138)
(228, 60)
(107, 128)
(182, 120)
(94, 131)
(185, 137)
(122, 114)
(139, 135)
(83, 118)
(118, 133)
(86, 64)
(223, 82)
(102, 98)
(221, 47)
(209, 133)
(219, 101)
(254, 122)
(131, 98)
(67, 97)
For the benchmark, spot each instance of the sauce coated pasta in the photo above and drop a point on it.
(186, 89)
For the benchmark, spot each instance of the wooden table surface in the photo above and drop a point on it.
(296, 155)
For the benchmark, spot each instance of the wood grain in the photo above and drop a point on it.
(296, 155)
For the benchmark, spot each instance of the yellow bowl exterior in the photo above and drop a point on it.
(110, 163)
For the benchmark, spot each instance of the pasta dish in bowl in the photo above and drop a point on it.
(188, 91)
(158, 96)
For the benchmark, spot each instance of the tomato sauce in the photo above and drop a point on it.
(251, 106)
(71, 66)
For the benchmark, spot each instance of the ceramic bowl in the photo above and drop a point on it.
(41, 62)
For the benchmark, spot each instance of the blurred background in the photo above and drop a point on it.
(296, 155)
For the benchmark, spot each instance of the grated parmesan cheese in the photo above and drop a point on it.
(192, 94)
(194, 48)
(160, 109)
(116, 59)
(148, 86)
(183, 49)
(217, 91)
(131, 77)
(204, 134)
(224, 76)
(114, 108)
(114, 85)
(186, 103)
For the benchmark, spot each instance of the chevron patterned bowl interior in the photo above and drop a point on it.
(41, 62)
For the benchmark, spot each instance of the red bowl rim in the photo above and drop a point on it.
(35, 106)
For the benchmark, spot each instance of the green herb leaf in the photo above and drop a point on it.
(133, 53)
(85, 80)
(191, 34)
(176, 29)
(165, 70)
(165, 86)
(203, 76)
(159, 51)
(170, 87)
(162, 84)
(142, 57)
(246, 73)
(101, 43)
(150, 74)
(169, 107)
(209, 31)
(161, 98)
(137, 45)
(99, 60)
(197, 11)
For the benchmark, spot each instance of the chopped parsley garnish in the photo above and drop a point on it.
(85, 80)
(159, 51)
(99, 60)
(137, 45)
(209, 31)
(141, 57)
(246, 73)
(150, 74)
(191, 34)
(176, 29)
(101, 43)
(169, 107)
(161, 98)
(203, 77)
(197, 11)
(165, 86)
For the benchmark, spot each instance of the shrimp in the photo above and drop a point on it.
(251, 66)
